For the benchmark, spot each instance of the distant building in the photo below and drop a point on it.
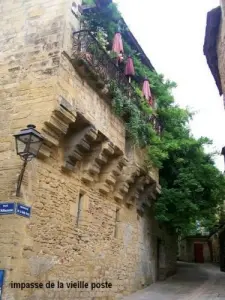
(195, 248)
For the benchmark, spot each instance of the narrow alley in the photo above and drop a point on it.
(192, 281)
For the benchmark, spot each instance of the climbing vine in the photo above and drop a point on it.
(188, 195)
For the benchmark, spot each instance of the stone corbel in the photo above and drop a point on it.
(125, 181)
(141, 207)
(147, 196)
(111, 172)
(57, 126)
(95, 161)
(155, 190)
(78, 146)
(135, 190)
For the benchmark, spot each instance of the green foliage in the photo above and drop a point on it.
(106, 20)
(136, 120)
(193, 189)
(88, 2)
(102, 38)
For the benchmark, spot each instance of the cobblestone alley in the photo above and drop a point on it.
(192, 281)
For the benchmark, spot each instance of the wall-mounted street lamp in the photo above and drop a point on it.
(28, 144)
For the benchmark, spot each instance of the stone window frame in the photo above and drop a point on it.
(81, 207)
(117, 222)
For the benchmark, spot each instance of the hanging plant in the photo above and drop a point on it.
(102, 39)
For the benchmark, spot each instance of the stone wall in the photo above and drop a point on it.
(31, 38)
(215, 248)
(88, 187)
(218, 247)
(184, 250)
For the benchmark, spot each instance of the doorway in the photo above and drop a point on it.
(160, 260)
(222, 251)
(198, 253)
(158, 257)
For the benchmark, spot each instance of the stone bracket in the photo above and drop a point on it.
(125, 181)
(57, 126)
(78, 146)
(135, 190)
(96, 160)
(110, 174)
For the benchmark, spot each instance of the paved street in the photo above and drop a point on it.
(192, 281)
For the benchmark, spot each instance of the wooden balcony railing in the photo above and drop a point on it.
(86, 48)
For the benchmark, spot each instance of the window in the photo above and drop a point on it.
(117, 219)
(79, 207)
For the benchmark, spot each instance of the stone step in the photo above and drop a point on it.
(87, 178)
(110, 179)
(108, 149)
(44, 151)
(57, 125)
(129, 202)
(124, 188)
(83, 146)
(103, 188)
(49, 139)
(91, 135)
(75, 156)
(118, 197)
(67, 167)
(116, 172)
(65, 115)
(94, 169)
(101, 159)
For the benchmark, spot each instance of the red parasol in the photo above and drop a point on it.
(146, 91)
(129, 68)
(117, 46)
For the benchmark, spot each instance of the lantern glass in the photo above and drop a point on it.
(28, 143)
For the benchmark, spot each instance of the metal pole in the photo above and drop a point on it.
(19, 182)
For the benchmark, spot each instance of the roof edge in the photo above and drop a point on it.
(210, 44)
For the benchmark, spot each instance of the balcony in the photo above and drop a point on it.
(96, 65)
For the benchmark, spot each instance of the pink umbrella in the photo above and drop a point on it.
(146, 92)
(117, 46)
(129, 68)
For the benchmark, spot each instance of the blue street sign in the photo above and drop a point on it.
(2, 275)
(23, 210)
(7, 208)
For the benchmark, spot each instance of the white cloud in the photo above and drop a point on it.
(172, 35)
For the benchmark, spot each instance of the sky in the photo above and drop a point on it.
(172, 35)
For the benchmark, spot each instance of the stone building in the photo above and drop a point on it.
(214, 50)
(195, 249)
(216, 239)
(90, 195)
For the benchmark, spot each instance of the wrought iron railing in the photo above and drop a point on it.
(88, 49)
